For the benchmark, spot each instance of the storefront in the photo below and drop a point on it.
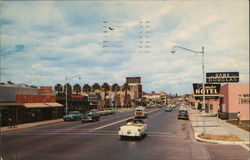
(30, 112)
(235, 99)
(22, 104)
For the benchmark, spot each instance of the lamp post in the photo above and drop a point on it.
(203, 78)
(66, 110)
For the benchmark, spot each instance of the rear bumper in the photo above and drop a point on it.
(183, 117)
(126, 134)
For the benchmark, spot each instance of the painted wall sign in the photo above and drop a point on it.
(210, 89)
(222, 77)
(244, 99)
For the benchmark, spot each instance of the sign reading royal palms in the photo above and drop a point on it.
(222, 77)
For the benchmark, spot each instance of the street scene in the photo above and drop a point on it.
(124, 80)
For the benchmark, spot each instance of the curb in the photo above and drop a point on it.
(218, 141)
(28, 126)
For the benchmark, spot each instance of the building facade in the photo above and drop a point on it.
(235, 98)
(23, 104)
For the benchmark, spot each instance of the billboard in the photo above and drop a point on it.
(211, 90)
(222, 77)
(133, 79)
(45, 90)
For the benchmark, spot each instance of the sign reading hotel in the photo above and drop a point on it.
(222, 77)
(133, 79)
(211, 90)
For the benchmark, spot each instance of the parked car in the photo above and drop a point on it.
(72, 116)
(111, 110)
(90, 116)
(183, 114)
(133, 128)
(168, 109)
(140, 113)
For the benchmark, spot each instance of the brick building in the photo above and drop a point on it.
(24, 104)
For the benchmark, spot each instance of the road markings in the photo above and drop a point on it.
(110, 124)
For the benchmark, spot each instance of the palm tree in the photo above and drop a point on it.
(69, 88)
(58, 88)
(126, 87)
(86, 88)
(105, 87)
(95, 87)
(77, 88)
(115, 88)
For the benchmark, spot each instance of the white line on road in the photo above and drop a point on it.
(110, 124)
(117, 122)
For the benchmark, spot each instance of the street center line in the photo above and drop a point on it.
(110, 124)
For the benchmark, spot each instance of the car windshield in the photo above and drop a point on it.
(183, 111)
(89, 113)
(74, 112)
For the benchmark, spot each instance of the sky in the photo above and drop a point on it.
(44, 42)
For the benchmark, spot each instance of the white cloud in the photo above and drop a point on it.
(65, 39)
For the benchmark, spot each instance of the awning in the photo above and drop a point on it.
(42, 105)
(10, 104)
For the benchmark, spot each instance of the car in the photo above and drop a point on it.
(183, 114)
(135, 128)
(111, 110)
(90, 116)
(140, 112)
(168, 109)
(72, 116)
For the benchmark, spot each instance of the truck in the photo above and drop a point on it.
(140, 112)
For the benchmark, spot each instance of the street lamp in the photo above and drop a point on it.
(67, 90)
(203, 77)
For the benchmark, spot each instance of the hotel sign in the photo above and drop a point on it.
(222, 77)
(211, 90)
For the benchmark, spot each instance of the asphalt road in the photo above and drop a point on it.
(168, 138)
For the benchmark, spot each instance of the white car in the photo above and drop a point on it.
(133, 128)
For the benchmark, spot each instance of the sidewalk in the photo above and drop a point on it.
(216, 126)
(28, 125)
(40, 123)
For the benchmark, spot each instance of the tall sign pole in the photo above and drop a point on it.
(203, 90)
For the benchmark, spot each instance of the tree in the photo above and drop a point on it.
(95, 87)
(58, 88)
(106, 88)
(77, 88)
(86, 88)
(126, 87)
(69, 88)
(115, 87)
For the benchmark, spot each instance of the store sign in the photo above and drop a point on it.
(45, 90)
(93, 97)
(133, 79)
(222, 77)
(244, 99)
(210, 89)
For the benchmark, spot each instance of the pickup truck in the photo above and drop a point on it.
(140, 113)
